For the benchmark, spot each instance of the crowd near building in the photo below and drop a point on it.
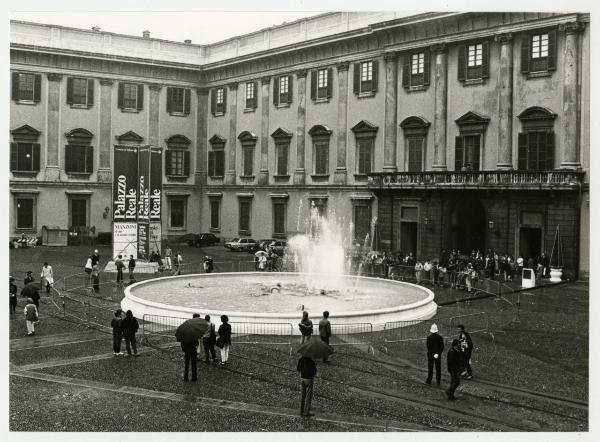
(434, 131)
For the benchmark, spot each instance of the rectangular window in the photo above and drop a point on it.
(365, 156)
(216, 163)
(282, 159)
(245, 213)
(78, 212)
(366, 71)
(250, 95)
(279, 209)
(220, 96)
(248, 159)
(25, 213)
(283, 89)
(362, 222)
(321, 158)
(215, 214)
(322, 83)
(467, 152)
(539, 46)
(130, 92)
(25, 157)
(80, 89)
(415, 154)
(26, 87)
(475, 55)
(177, 213)
(176, 166)
(536, 150)
(79, 159)
(418, 63)
(177, 99)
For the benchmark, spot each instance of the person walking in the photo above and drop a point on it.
(47, 277)
(325, 330)
(35, 297)
(12, 295)
(190, 351)
(435, 346)
(96, 278)
(454, 360)
(466, 344)
(131, 267)
(95, 258)
(207, 264)
(208, 341)
(120, 266)
(31, 316)
(168, 254)
(224, 341)
(308, 370)
(117, 332)
(28, 278)
(306, 327)
(130, 326)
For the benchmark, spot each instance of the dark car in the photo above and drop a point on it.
(203, 240)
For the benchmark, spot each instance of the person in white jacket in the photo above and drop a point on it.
(47, 277)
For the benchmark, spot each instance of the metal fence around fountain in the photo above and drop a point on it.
(404, 331)
(351, 334)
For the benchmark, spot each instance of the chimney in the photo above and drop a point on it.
(146, 34)
(187, 42)
(96, 28)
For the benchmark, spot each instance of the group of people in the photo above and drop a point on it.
(458, 358)
(92, 268)
(124, 329)
(169, 261)
(267, 261)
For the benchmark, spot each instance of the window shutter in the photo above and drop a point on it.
(375, 70)
(14, 147)
(462, 62)
(224, 99)
(356, 78)
(406, 71)
(550, 151)
(140, 97)
(211, 163)
(168, 162)
(522, 154)
(275, 91)
(68, 158)
(186, 163)
(313, 85)
(255, 98)
(90, 93)
(290, 88)
(36, 157)
(120, 95)
(525, 45)
(458, 154)
(187, 97)
(329, 82)
(169, 100)
(426, 68)
(69, 90)
(89, 159)
(552, 50)
(37, 88)
(15, 86)
(485, 63)
(213, 101)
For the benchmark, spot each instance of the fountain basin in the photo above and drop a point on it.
(248, 297)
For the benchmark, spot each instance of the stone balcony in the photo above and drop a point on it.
(488, 179)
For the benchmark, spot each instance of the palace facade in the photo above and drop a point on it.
(436, 130)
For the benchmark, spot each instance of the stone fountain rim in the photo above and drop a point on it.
(234, 313)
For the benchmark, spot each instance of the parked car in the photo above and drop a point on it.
(203, 240)
(261, 244)
(278, 246)
(241, 244)
(228, 244)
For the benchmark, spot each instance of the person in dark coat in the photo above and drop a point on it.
(117, 332)
(224, 338)
(435, 346)
(96, 278)
(120, 266)
(467, 348)
(325, 330)
(130, 326)
(131, 267)
(208, 341)
(454, 359)
(208, 264)
(95, 258)
(306, 327)
(28, 278)
(12, 294)
(190, 350)
(308, 370)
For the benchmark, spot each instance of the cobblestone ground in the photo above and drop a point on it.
(531, 372)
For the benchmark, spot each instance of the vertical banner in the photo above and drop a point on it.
(154, 238)
(143, 213)
(155, 231)
(142, 237)
(125, 188)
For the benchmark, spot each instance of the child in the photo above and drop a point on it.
(31, 316)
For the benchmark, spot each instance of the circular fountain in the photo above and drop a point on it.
(321, 282)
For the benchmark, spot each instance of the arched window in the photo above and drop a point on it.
(282, 139)
(536, 141)
(469, 143)
(415, 142)
(177, 156)
(216, 157)
(320, 137)
(365, 133)
(79, 153)
(248, 140)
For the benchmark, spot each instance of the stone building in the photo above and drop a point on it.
(451, 130)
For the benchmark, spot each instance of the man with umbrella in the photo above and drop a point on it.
(309, 351)
(188, 334)
(32, 290)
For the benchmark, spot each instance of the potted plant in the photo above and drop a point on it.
(556, 263)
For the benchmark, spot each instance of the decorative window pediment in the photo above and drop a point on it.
(415, 123)
(282, 134)
(129, 137)
(178, 141)
(472, 122)
(537, 113)
(79, 136)
(365, 127)
(25, 134)
(217, 140)
(320, 131)
(247, 137)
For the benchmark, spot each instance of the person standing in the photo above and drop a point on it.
(12, 295)
(168, 254)
(325, 330)
(435, 346)
(208, 341)
(224, 338)
(454, 359)
(47, 277)
(28, 278)
(208, 264)
(96, 278)
(31, 316)
(120, 266)
(130, 326)
(117, 332)
(308, 370)
(190, 350)
(418, 271)
(306, 327)
(131, 267)
(466, 344)
(178, 262)
(95, 258)
(88, 265)
(35, 297)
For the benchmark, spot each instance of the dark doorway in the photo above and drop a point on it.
(530, 242)
(408, 238)
(468, 226)
(78, 212)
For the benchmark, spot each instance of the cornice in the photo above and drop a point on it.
(503, 38)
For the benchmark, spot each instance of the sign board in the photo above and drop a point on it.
(125, 184)
(528, 278)
(154, 238)
(125, 239)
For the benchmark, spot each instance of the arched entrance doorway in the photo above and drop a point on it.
(467, 226)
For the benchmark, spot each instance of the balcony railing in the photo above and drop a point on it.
(497, 179)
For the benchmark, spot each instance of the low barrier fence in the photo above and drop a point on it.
(404, 331)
